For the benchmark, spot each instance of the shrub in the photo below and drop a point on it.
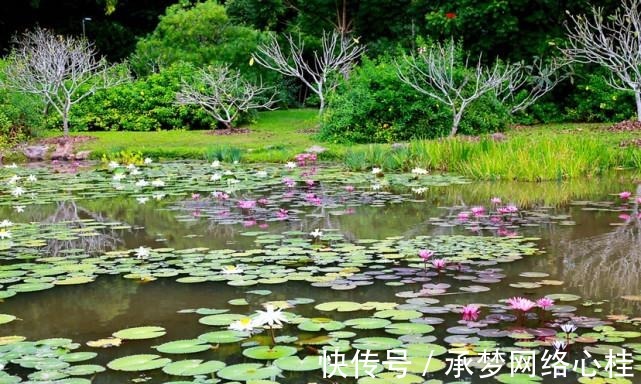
(145, 104)
(374, 105)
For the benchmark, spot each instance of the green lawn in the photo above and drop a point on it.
(546, 152)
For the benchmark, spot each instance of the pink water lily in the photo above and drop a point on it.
(247, 204)
(495, 200)
(282, 214)
(290, 183)
(439, 264)
(471, 312)
(263, 201)
(425, 254)
(521, 304)
(463, 216)
(477, 211)
(545, 303)
(625, 195)
(349, 188)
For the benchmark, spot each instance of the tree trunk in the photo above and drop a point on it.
(322, 105)
(65, 119)
(456, 120)
(637, 98)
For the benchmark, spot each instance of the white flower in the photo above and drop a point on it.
(142, 199)
(232, 270)
(19, 208)
(270, 317)
(568, 328)
(316, 233)
(261, 173)
(243, 325)
(4, 234)
(419, 190)
(158, 196)
(13, 179)
(142, 183)
(142, 253)
(376, 170)
(12, 165)
(158, 183)
(17, 191)
(419, 171)
(235, 162)
(290, 165)
(113, 165)
(131, 166)
(215, 177)
(228, 173)
(119, 176)
(135, 172)
(215, 164)
(5, 223)
(376, 187)
(148, 160)
(32, 178)
(559, 345)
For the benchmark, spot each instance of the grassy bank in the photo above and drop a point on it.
(550, 152)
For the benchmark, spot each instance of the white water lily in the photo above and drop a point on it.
(290, 165)
(142, 183)
(243, 325)
(316, 233)
(568, 328)
(32, 178)
(119, 176)
(559, 345)
(228, 173)
(135, 172)
(419, 190)
(131, 166)
(142, 199)
(231, 270)
(12, 165)
(158, 196)
(158, 183)
(215, 164)
(19, 208)
(376, 170)
(270, 316)
(236, 162)
(113, 165)
(13, 179)
(261, 173)
(142, 252)
(419, 171)
(376, 187)
(4, 234)
(17, 191)
(215, 177)
(148, 160)
(5, 223)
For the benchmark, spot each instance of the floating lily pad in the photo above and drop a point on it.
(140, 333)
(294, 363)
(183, 346)
(136, 363)
(248, 372)
(269, 353)
(193, 367)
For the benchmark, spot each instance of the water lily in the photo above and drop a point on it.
(142, 252)
(243, 325)
(521, 304)
(195, 196)
(32, 178)
(495, 200)
(148, 160)
(439, 264)
(131, 166)
(289, 183)
(478, 210)
(11, 166)
(376, 170)
(247, 204)
(231, 270)
(219, 195)
(142, 183)
(309, 182)
(5, 223)
(568, 328)
(419, 171)
(157, 183)
(425, 254)
(158, 196)
(113, 165)
(270, 317)
(261, 174)
(470, 312)
(119, 176)
(625, 195)
(290, 165)
(19, 208)
(463, 216)
(142, 199)
(215, 177)
(419, 190)
(559, 345)
(316, 233)
(545, 303)
(5, 234)
(215, 164)
(13, 180)
(349, 188)
(17, 191)
(135, 172)
(376, 187)
(282, 214)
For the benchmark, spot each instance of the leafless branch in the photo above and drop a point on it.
(224, 94)
(613, 42)
(437, 73)
(336, 57)
(61, 70)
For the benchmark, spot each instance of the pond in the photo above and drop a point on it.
(157, 273)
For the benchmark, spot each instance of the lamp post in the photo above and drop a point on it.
(84, 19)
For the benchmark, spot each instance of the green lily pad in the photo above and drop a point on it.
(192, 367)
(376, 343)
(295, 363)
(183, 346)
(220, 320)
(368, 323)
(140, 333)
(247, 372)
(136, 363)
(408, 328)
(223, 337)
(269, 353)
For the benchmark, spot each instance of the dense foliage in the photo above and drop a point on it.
(376, 106)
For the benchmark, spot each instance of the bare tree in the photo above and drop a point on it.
(613, 42)
(62, 70)
(439, 73)
(531, 82)
(224, 94)
(337, 57)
